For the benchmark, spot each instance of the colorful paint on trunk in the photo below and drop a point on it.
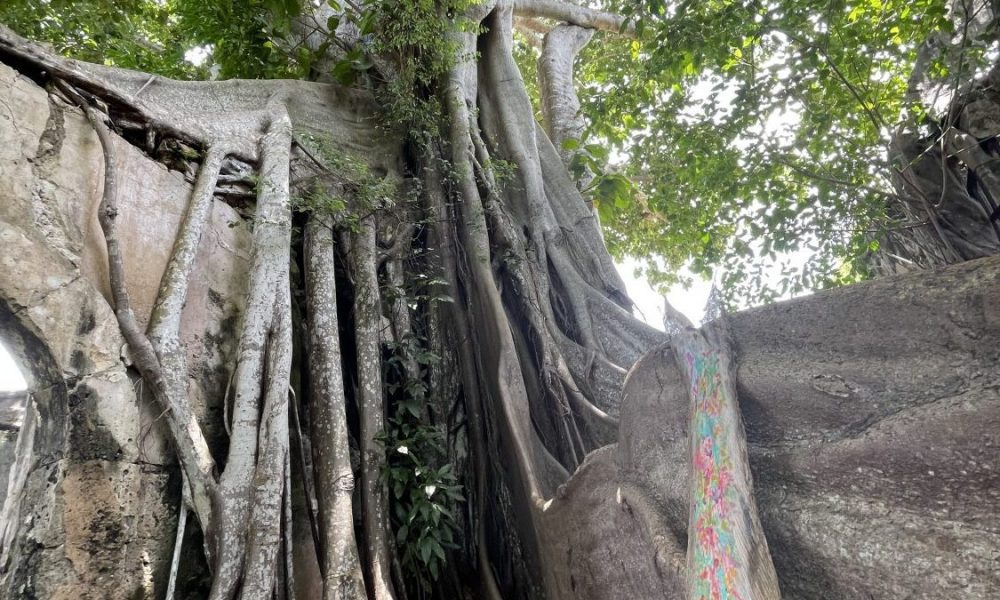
(716, 501)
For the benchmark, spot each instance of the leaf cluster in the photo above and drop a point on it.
(343, 175)
(137, 34)
(730, 136)
(424, 498)
(753, 134)
(424, 489)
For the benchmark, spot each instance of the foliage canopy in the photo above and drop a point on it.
(743, 139)
(756, 132)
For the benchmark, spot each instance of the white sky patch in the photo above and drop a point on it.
(712, 89)
(711, 99)
(198, 55)
(649, 303)
(11, 379)
(691, 301)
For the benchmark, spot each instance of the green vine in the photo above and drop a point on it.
(414, 42)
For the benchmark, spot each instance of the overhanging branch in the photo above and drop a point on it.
(574, 15)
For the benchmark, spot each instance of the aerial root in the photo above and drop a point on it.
(187, 439)
(252, 484)
(336, 544)
(368, 328)
(182, 513)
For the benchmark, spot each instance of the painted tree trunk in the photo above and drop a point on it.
(727, 553)
(871, 416)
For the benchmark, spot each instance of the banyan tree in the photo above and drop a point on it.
(300, 338)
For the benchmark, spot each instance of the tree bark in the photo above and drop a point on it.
(527, 390)
(946, 183)
(342, 576)
(368, 337)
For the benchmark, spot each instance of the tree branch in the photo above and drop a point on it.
(574, 15)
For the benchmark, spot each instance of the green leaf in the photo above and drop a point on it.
(344, 72)
(597, 151)
(438, 550)
(570, 144)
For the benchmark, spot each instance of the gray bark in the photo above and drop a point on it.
(560, 104)
(342, 576)
(368, 335)
(573, 14)
(946, 184)
(542, 338)
(871, 412)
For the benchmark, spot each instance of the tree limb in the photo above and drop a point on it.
(574, 14)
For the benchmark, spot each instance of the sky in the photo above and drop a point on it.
(649, 303)
(10, 377)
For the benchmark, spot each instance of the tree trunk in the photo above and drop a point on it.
(465, 353)
(871, 414)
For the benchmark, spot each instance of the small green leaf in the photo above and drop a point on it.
(597, 151)
(570, 144)
(343, 71)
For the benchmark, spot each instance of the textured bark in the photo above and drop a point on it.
(95, 487)
(342, 575)
(949, 191)
(255, 456)
(368, 336)
(871, 413)
(187, 436)
(726, 550)
(272, 224)
(947, 184)
(533, 355)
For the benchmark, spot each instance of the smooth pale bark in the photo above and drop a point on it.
(178, 543)
(519, 386)
(573, 14)
(165, 324)
(186, 435)
(368, 337)
(496, 348)
(272, 230)
(265, 526)
(342, 575)
(274, 214)
(560, 104)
